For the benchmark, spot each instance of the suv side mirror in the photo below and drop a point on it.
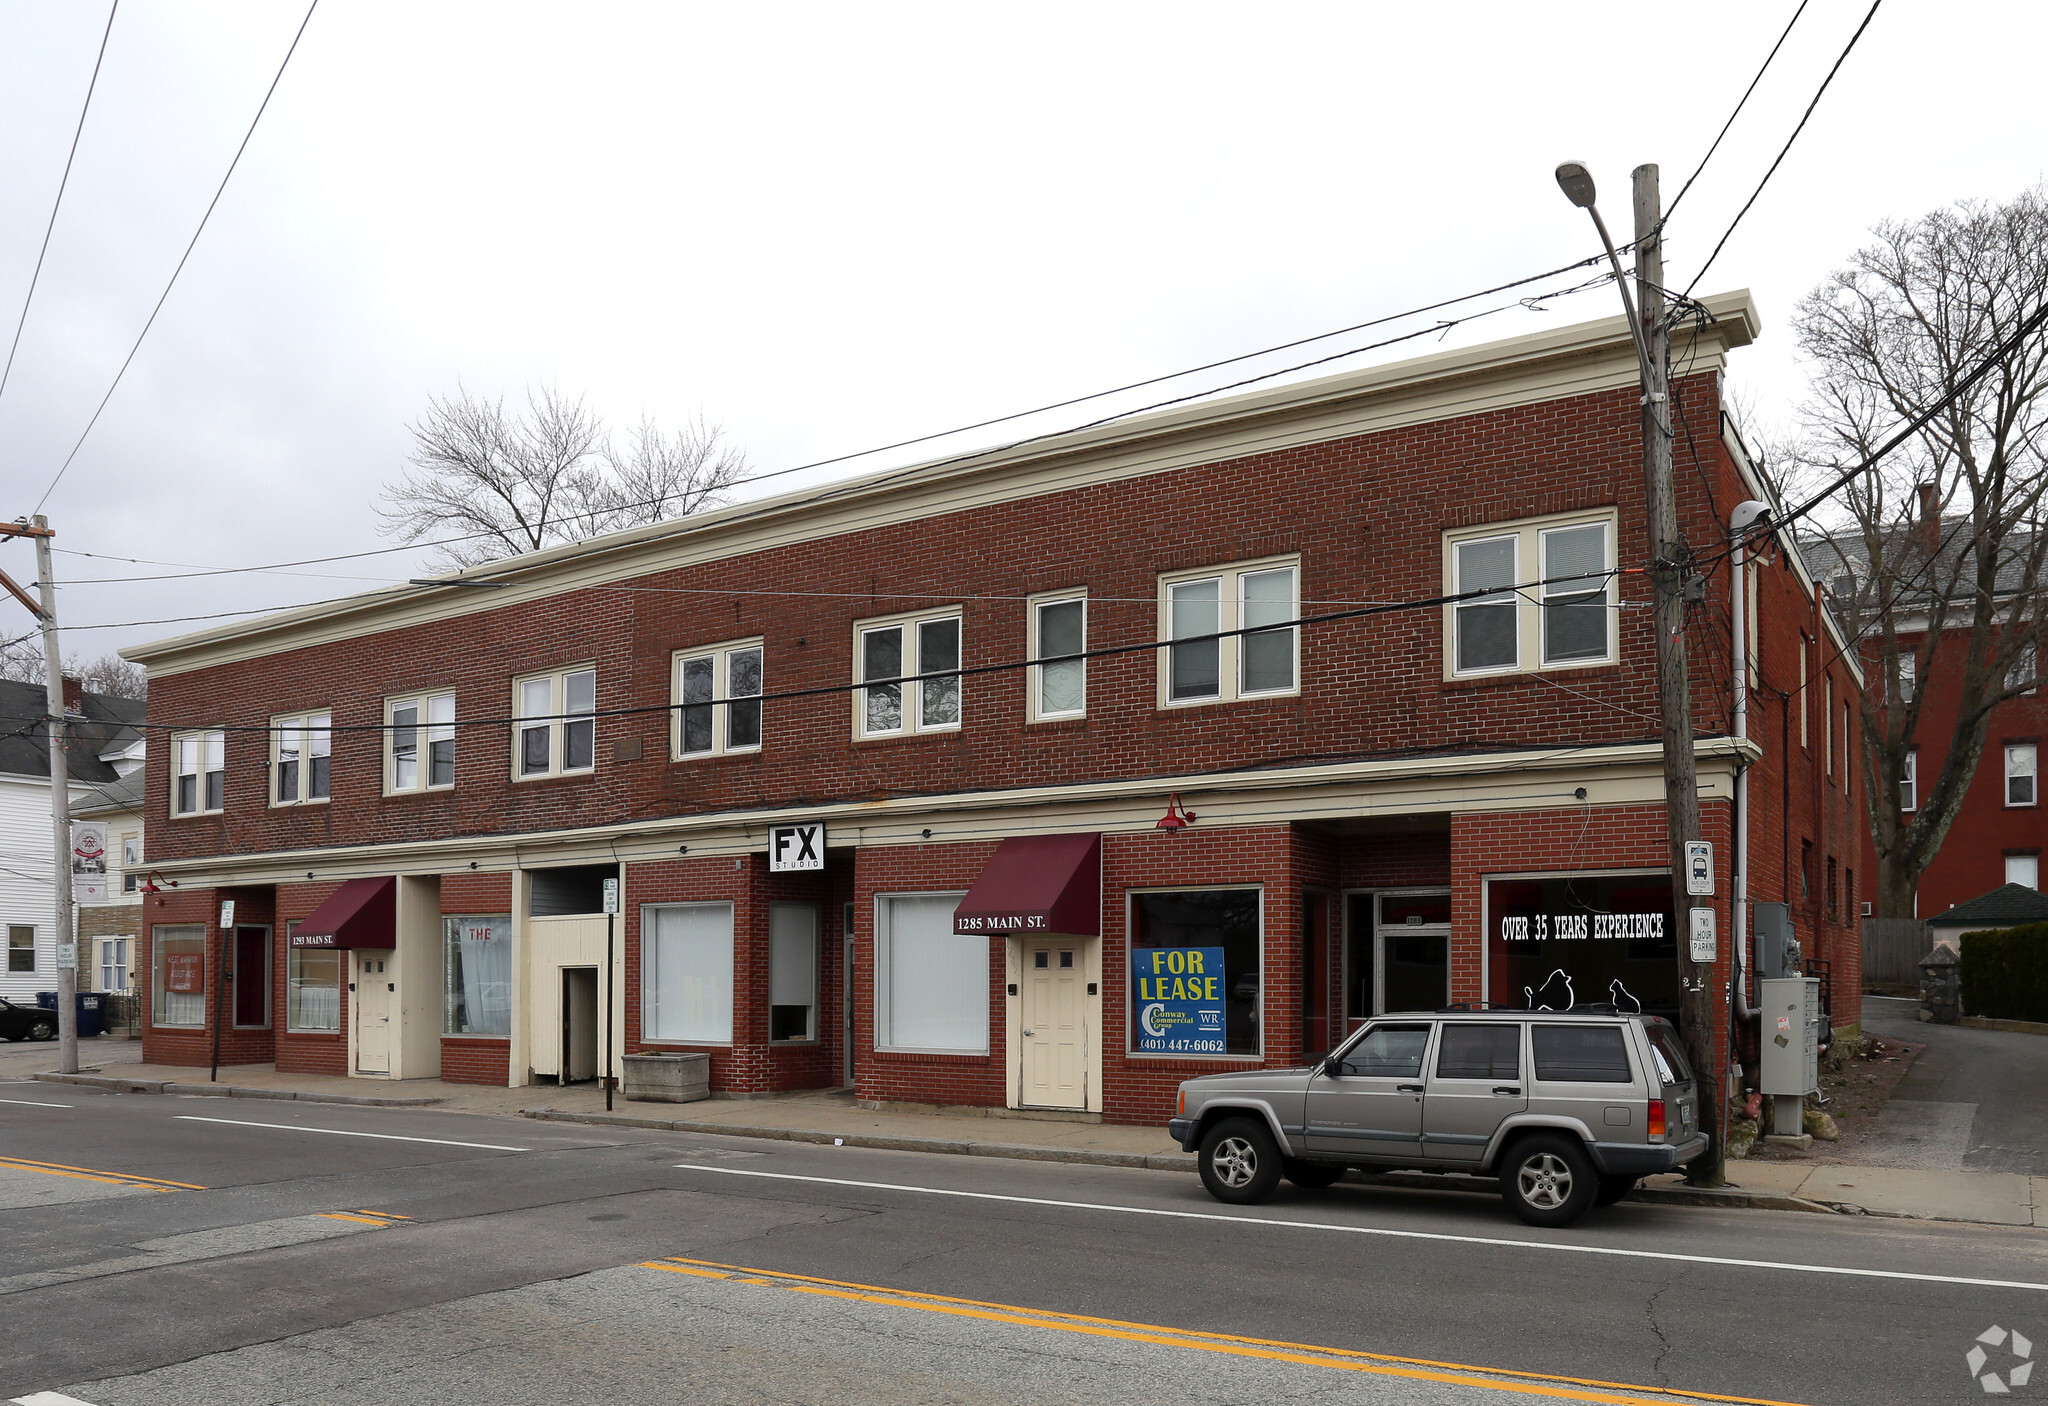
(1332, 1067)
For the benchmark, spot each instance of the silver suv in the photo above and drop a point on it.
(1568, 1109)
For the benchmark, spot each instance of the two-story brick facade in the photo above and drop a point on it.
(990, 680)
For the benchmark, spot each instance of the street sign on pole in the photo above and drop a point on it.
(1702, 935)
(611, 895)
(88, 861)
(1699, 868)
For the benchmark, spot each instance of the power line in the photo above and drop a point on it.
(1672, 208)
(58, 203)
(1439, 327)
(218, 192)
(1783, 151)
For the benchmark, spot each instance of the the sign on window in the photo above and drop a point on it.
(184, 973)
(796, 847)
(1177, 999)
(1566, 941)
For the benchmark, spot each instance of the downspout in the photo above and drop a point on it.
(1745, 516)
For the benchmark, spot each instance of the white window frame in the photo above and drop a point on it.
(121, 963)
(1034, 693)
(721, 656)
(801, 978)
(426, 732)
(1230, 662)
(160, 934)
(33, 949)
(556, 720)
(131, 861)
(2022, 762)
(1909, 666)
(294, 984)
(296, 732)
(1909, 781)
(650, 958)
(2022, 668)
(211, 744)
(2028, 861)
(910, 714)
(884, 940)
(1530, 630)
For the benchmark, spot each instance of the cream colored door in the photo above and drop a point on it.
(373, 998)
(1052, 1036)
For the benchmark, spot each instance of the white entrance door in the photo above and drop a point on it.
(373, 998)
(1052, 1035)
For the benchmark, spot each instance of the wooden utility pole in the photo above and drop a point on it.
(45, 610)
(1670, 569)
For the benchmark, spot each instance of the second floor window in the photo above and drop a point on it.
(301, 753)
(917, 659)
(1909, 781)
(1208, 662)
(1908, 665)
(420, 733)
(2020, 673)
(1504, 619)
(199, 785)
(2019, 773)
(1059, 677)
(718, 700)
(131, 863)
(556, 734)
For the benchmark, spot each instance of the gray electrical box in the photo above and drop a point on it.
(1791, 1036)
(1777, 954)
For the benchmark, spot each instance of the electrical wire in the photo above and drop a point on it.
(1672, 208)
(218, 192)
(58, 204)
(1786, 149)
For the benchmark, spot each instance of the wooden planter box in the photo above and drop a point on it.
(667, 1078)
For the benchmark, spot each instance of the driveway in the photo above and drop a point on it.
(1975, 1101)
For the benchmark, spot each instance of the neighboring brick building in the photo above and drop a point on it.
(414, 796)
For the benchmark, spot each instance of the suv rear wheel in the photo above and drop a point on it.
(1547, 1179)
(1239, 1162)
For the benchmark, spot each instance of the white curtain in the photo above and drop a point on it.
(934, 985)
(480, 975)
(686, 976)
(313, 988)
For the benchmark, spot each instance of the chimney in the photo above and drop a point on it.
(74, 695)
(1930, 515)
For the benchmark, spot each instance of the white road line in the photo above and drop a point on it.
(1390, 1234)
(31, 1103)
(343, 1132)
(49, 1398)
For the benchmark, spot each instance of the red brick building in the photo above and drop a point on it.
(989, 681)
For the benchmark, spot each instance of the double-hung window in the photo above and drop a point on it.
(2020, 673)
(910, 668)
(2020, 773)
(199, 781)
(1909, 780)
(556, 734)
(301, 751)
(1232, 632)
(1908, 665)
(113, 964)
(1059, 672)
(21, 948)
(131, 863)
(718, 699)
(420, 742)
(1537, 594)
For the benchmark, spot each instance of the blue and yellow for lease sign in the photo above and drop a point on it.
(1178, 1000)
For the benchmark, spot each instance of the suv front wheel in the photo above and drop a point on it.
(1239, 1162)
(1547, 1179)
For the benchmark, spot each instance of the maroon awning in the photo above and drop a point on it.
(361, 913)
(1037, 884)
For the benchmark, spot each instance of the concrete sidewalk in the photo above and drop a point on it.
(832, 1116)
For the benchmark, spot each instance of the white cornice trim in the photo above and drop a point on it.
(1568, 361)
(1625, 774)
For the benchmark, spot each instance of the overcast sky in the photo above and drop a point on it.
(830, 227)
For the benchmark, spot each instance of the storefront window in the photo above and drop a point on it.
(1398, 952)
(931, 984)
(1567, 941)
(1200, 926)
(479, 982)
(180, 975)
(686, 973)
(312, 987)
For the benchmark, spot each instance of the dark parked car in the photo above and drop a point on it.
(26, 1022)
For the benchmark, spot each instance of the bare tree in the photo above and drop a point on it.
(506, 484)
(1936, 554)
(22, 662)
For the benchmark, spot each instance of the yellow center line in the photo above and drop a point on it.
(1309, 1354)
(382, 1215)
(32, 1165)
(359, 1220)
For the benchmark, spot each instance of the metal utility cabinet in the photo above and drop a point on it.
(1790, 1066)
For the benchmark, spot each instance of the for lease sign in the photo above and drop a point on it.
(1177, 998)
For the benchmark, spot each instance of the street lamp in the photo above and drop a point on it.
(1577, 184)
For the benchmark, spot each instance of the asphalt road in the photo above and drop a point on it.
(168, 1250)
(1989, 1086)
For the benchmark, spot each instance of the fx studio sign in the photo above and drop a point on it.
(796, 847)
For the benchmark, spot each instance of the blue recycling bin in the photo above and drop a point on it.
(91, 1019)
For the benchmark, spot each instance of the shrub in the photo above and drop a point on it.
(2005, 973)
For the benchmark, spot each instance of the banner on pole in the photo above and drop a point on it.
(88, 861)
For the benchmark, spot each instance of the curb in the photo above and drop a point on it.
(165, 1086)
(1167, 1162)
(1024, 1152)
